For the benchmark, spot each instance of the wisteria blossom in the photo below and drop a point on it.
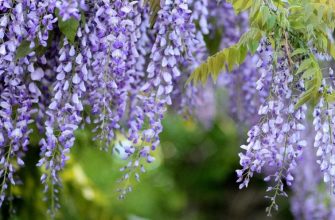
(311, 197)
(115, 68)
(111, 68)
(276, 140)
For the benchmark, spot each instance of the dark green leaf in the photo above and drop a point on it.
(23, 50)
(68, 28)
(40, 50)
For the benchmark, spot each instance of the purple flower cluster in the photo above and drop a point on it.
(70, 8)
(265, 95)
(200, 14)
(65, 64)
(324, 142)
(175, 38)
(311, 197)
(119, 74)
(276, 140)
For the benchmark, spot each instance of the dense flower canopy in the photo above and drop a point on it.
(65, 64)
(115, 67)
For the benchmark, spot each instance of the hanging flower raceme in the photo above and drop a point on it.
(63, 118)
(324, 121)
(311, 197)
(172, 47)
(187, 97)
(277, 82)
(276, 140)
(14, 133)
(111, 43)
(18, 93)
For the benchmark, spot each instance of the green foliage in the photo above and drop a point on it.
(241, 5)
(330, 97)
(23, 50)
(69, 27)
(226, 59)
(154, 8)
(312, 75)
(295, 28)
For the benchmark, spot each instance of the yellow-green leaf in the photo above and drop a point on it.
(304, 65)
(298, 52)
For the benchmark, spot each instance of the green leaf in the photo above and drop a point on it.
(23, 50)
(256, 4)
(68, 28)
(265, 14)
(154, 6)
(330, 97)
(305, 97)
(271, 21)
(214, 65)
(243, 53)
(40, 50)
(213, 41)
(241, 5)
(231, 56)
(331, 49)
(304, 65)
(298, 52)
(252, 46)
(312, 94)
(308, 73)
(83, 19)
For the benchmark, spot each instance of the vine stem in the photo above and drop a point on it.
(287, 50)
(6, 170)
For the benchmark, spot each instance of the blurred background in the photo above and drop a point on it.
(193, 177)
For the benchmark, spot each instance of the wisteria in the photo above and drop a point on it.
(275, 141)
(311, 197)
(92, 62)
(116, 67)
